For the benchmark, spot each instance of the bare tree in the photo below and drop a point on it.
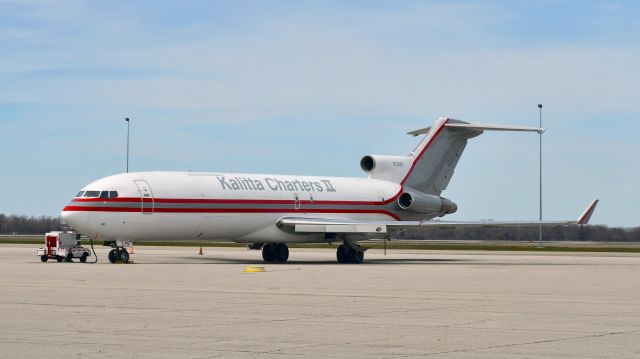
(14, 224)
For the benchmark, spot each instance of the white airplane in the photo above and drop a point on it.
(268, 211)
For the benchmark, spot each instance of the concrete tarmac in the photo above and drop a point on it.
(172, 303)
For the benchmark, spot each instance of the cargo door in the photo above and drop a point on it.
(146, 196)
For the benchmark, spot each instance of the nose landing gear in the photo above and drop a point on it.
(119, 255)
(119, 252)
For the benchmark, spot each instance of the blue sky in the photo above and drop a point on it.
(308, 87)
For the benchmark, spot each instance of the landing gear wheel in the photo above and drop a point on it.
(342, 254)
(356, 256)
(112, 256)
(281, 252)
(59, 258)
(275, 252)
(267, 252)
(44, 258)
(346, 254)
(83, 259)
(123, 256)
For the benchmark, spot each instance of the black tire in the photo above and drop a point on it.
(112, 256)
(356, 257)
(281, 253)
(69, 257)
(59, 258)
(342, 253)
(123, 256)
(44, 258)
(83, 259)
(267, 253)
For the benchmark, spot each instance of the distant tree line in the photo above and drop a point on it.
(560, 233)
(13, 224)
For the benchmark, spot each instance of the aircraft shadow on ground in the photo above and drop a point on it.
(214, 260)
(373, 261)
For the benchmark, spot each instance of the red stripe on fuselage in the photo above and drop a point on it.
(227, 210)
(237, 201)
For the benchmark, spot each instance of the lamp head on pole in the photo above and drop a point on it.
(539, 106)
(127, 118)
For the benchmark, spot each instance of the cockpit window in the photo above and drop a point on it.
(80, 194)
(108, 194)
(91, 194)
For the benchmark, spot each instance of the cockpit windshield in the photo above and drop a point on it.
(97, 194)
(109, 194)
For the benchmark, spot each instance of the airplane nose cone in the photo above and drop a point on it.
(75, 219)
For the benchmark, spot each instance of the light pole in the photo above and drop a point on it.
(127, 120)
(540, 194)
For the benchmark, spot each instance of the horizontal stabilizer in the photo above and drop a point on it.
(490, 127)
(419, 132)
(480, 127)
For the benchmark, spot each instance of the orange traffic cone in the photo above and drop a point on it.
(200, 251)
(131, 250)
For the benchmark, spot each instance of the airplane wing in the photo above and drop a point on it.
(328, 225)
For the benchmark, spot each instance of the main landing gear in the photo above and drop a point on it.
(350, 253)
(279, 252)
(119, 255)
(275, 252)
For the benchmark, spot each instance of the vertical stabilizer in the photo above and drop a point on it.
(437, 155)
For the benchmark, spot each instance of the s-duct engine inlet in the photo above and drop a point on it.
(367, 163)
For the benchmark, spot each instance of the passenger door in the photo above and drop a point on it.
(146, 196)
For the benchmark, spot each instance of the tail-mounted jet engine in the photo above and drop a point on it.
(386, 168)
(426, 203)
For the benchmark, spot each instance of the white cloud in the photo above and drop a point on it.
(348, 63)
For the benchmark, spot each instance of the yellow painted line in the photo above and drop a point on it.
(253, 269)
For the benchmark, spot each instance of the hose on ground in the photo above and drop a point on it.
(95, 256)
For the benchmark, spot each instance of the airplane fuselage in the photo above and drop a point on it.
(192, 206)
